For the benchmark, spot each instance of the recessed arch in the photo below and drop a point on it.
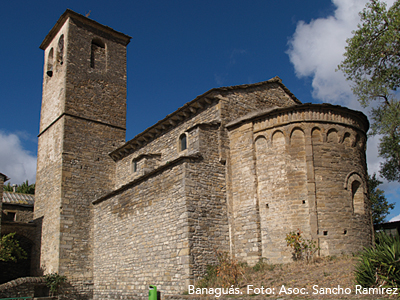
(357, 140)
(260, 143)
(50, 60)
(183, 142)
(357, 195)
(357, 188)
(60, 50)
(297, 136)
(134, 165)
(316, 135)
(332, 136)
(347, 139)
(278, 138)
(98, 57)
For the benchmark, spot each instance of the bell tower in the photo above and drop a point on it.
(83, 118)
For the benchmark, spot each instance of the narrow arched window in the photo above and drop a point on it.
(98, 55)
(357, 194)
(60, 50)
(134, 165)
(182, 142)
(49, 71)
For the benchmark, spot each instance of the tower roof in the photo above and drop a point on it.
(121, 37)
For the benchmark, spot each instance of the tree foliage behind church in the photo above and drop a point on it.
(24, 188)
(372, 61)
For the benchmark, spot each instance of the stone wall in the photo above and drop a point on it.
(258, 164)
(292, 169)
(141, 236)
(82, 121)
(48, 194)
(203, 191)
(165, 146)
(173, 208)
(22, 287)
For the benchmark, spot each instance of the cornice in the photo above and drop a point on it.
(186, 112)
(121, 37)
(307, 112)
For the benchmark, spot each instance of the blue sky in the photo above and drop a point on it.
(179, 50)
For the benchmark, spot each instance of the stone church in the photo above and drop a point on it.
(235, 169)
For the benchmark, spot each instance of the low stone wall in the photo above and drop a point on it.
(36, 288)
(22, 287)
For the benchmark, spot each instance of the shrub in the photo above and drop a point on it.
(229, 270)
(263, 265)
(225, 273)
(10, 250)
(302, 248)
(379, 266)
(54, 282)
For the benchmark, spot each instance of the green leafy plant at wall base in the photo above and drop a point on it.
(379, 266)
(54, 282)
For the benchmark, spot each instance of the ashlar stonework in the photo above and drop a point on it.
(235, 169)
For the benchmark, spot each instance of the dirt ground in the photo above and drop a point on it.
(329, 278)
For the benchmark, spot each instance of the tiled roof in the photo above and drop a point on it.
(16, 198)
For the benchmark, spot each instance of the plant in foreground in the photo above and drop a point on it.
(225, 273)
(54, 282)
(379, 266)
(302, 248)
(10, 250)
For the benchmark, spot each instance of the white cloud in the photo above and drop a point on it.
(394, 219)
(15, 162)
(316, 49)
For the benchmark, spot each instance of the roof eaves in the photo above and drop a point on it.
(259, 114)
(185, 112)
(123, 38)
(5, 178)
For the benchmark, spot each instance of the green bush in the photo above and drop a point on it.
(379, 266)
(10, 250)
(54, 282)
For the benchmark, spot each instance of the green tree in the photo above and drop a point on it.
(380, 206)
(371, 62)
(24, 188)
(10, 250)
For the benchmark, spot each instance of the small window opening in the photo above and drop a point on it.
(267, 205)
(183, 142)
(49, 71)
(325, 232)
(98, 55)
(60, 50)
(345, 231)
(358, 197)
(10, 216)
(134, 166)
(304, 201)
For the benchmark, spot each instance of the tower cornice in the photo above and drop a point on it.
(122, 38)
